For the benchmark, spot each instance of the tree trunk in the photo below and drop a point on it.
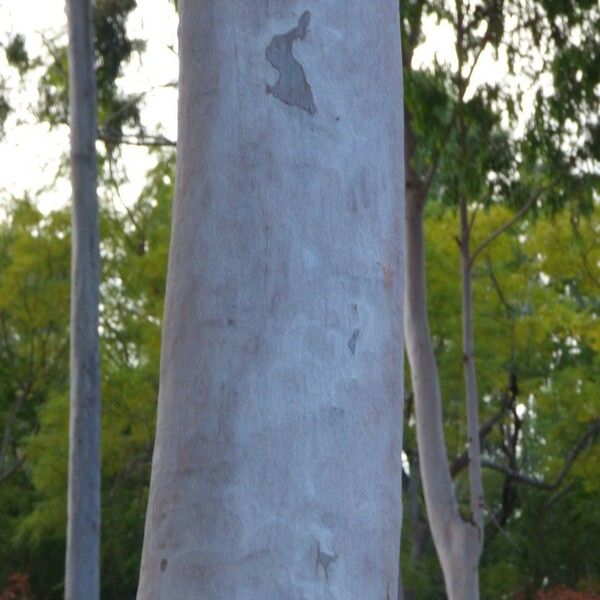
(457, 541)
(277, 462)
(472, 397)
(83, 525)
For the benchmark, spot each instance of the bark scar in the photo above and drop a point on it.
(291, 88)
(352, 341)
(324, 560)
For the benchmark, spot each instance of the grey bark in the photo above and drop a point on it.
(457, 541)
(473, 442)
(83, 524)
(277, 463)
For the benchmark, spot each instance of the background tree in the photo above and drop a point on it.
(459, 151)
(82, 577)
(531, 438)
(35, 337)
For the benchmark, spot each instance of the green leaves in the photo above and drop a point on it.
(16, 54)
(536, 315)
(114, 49)
(34, 307)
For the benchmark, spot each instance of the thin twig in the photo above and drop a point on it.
(150, 141)
(461, 461)
(509, 307)
(592, 431)
(504, 226)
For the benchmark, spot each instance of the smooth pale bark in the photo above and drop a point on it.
(457, 541)
(277, 463)
(83, 526)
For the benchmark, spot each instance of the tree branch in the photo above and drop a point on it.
(461, 461)
(588, 270)
(131, 140)
(498, 232)
(506, 225)
(516, 476)
(509, 307)
(592, 431)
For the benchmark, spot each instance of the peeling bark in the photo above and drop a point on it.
(292, 87)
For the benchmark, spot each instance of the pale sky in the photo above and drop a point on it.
(31, 153)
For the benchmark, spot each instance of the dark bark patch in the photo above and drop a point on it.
(291, 88)
(352, 341)
(324, 561)
(163, 565)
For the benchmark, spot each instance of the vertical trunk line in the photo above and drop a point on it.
(472, 400)
(82, 578)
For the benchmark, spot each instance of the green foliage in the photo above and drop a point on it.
(496, 149)
(113, 50)
(34, 304)
(34, 288)
(5, 107)
(16, 54)
(500, 580)
(536, 315)
(53, 104)
(17, 57)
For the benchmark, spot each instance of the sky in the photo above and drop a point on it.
(31, 152)
(34, 151)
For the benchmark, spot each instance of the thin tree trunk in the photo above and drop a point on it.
(83, 526)
(457, 542)
(472, 398)
(277, 462)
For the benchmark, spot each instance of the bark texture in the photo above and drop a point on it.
(277, 464)
(83, 526)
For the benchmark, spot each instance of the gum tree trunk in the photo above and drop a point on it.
(83, 523)
(277, 464)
